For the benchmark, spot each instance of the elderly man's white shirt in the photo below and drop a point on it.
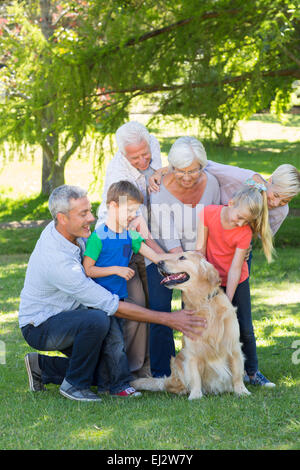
(119, 168)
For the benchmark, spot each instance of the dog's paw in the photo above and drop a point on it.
(195, 395)
(135, 383)
(241, 390)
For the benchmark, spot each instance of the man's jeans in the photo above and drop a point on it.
(79, 334)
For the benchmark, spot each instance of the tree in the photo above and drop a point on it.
(46, 100)
(224, 61)
(74, 67)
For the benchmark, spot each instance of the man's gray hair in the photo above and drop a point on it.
(185, 150)
(131, 133)
(60, 199)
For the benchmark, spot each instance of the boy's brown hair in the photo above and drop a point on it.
(124, 189)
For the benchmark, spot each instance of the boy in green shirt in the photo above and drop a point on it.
(106, 258)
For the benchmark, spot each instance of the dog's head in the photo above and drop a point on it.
(188, 270)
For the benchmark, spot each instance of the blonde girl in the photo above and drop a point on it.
(224, 237)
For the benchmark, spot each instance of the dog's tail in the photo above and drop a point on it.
(151, 384)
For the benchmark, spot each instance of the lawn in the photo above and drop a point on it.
(268, 419)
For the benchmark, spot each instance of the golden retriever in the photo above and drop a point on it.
(213, 363)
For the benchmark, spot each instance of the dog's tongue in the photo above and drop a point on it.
(172, 277)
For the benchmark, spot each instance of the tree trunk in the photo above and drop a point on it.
(52, 176)
(53, 167)
(53, 170)
(46, 170)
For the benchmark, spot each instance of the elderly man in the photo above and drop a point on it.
(62, 309)
(137, 159)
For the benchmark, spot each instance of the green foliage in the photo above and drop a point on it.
(74, 67)
(241, 61)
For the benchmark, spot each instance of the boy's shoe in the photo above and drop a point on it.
(128, 392)
(258, 379)
(73, 393)
(34, 372)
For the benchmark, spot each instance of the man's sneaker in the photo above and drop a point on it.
(259, 379)
(34, 372)
(128, 392)
(73, 393)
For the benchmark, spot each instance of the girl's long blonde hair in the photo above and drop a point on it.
(255, 201)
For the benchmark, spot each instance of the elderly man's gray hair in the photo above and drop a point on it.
(185, 150)
(131, 133)
(59, 200)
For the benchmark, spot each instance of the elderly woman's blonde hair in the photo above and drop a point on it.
(185, 150)
(286, 180)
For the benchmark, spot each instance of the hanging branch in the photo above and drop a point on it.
(294, 72)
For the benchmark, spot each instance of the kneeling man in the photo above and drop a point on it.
(61, 309)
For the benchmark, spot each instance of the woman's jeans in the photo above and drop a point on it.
(82, 335)
(161, 341)
(242, 301)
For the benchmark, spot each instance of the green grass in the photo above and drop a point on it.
(18, 241)
(24, 208)
(268, 419)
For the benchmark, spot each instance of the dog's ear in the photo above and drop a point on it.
(213, 276)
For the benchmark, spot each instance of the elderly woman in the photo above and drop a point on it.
(184, 190)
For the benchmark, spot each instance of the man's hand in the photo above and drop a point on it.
(154, 182)
(155, 179)
(188, 323)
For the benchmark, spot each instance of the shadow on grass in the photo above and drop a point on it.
(289, 120)
(18, 241)
(271, 318)
(24, 209)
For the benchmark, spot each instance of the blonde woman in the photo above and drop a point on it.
(223, 237)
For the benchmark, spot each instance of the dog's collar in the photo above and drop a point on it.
(213, 294)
